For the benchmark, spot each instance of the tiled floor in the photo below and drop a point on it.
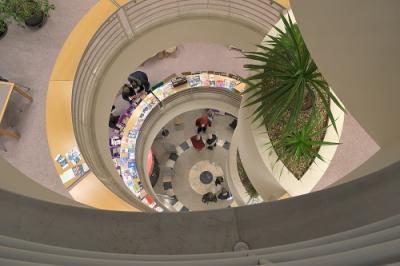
(183, 158)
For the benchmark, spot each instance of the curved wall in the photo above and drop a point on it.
(150, 26)
(355, 45)
(179, 103)
(167, 35)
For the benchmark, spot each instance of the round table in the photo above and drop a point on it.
(202, 177)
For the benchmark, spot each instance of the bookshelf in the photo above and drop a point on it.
(123, 141)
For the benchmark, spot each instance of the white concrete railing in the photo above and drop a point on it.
(380, 240)
(121, 29)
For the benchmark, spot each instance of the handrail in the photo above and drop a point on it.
(215, 232)
(111, 38)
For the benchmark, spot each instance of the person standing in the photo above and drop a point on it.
(211, 141)
(113, 120)
(139, 81)
(202, 123)
(129, 94)
(197, 142)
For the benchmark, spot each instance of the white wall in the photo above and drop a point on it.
(356, 46)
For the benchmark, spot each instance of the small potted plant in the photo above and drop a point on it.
(30, 13)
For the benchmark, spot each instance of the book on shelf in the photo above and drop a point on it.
(211, 81)
(220, 82)
(61, 160)
(205, 81)
(194, 81)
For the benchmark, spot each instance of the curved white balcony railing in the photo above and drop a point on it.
(121, 29)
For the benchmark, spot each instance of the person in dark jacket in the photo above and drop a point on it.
(209, 197)
(139, 81)
(113, 121)
(224, 194)
(129, 94)
(219, 180)
(211, 141)
(233, 124)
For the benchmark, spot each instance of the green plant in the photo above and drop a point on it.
(248, 186)
(21, 10)
(302, 143)
(3, 26)
(285, 75)
(4, 16)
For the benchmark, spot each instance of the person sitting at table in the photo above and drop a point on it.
(219, 180)
(202, 123)
(224, 194)
(209, 197)
(197, 142)
(211, 141)
(139, 81)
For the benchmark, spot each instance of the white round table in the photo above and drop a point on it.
(202, 177)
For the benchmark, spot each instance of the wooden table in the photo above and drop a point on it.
(6, 89)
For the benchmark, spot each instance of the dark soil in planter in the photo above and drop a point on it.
(3, 33)
(298, 169)
(36, 20)
(308, 102)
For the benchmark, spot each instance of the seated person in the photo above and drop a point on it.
(139, 81)
(219, 180)
(197, 142)
(209, 197)
(129, 94)
(224, 194)
(202, 123)
(211, 141)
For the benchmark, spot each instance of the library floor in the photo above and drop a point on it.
(27, 57)
(195, 171)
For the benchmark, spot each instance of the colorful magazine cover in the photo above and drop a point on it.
(62, 161)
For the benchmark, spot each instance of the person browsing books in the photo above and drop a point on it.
(129, 94)
(139, 81)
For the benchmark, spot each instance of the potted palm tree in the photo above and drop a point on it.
(30, 13)
(291, 98)
(287, 80)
